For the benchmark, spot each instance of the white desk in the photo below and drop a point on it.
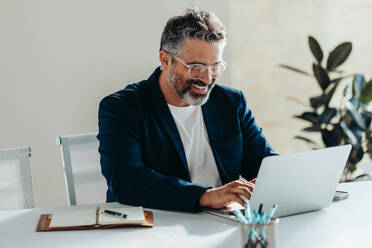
(346, 224)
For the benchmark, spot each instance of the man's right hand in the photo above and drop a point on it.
(221, 196)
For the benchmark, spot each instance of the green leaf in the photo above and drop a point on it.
(305, 139)
(321, 76)
(317, 101)
(356, 154)
(362, 177)
(315, 49)
(357, 118)
(349, 133)
(315, 128)
(366, 93)
(369, 144)
(330, 94)
(338, 55)
(358, 83)
(308, 116)
(337, 80)
(355, 102)
(327, 115)
(333, 137)
(367, 116)
(294, 69)
(347, 92)
(350, 168)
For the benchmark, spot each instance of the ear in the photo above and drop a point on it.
(165, 60)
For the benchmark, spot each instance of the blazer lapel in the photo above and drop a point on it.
(164, 115)
(166, 118)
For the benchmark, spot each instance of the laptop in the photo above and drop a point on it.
(298, 183)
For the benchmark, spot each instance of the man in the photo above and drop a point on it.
(177, 140)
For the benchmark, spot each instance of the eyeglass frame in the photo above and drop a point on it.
(209, 67)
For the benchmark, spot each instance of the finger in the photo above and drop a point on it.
(242, 191)
(252, 182)
(239, 183)
(236, 198)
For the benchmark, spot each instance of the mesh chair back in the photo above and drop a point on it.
(15, 179)
(85, 183)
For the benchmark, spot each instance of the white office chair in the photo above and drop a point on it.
(84, 182)
(15, 179)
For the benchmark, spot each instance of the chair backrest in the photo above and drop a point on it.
(15, 178)
(85, 183)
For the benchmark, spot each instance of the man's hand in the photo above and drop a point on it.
(221, 196)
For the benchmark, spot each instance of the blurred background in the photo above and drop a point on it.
(58, 59)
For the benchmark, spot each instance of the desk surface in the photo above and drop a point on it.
(345, 224)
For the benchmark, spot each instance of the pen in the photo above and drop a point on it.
(260, 208)
(240, 217)
(115, 213)
(254, 216)
(261, 218)
(271, 213)
(247, 212)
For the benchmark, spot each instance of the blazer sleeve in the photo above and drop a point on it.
(255, 145)
(128, 178)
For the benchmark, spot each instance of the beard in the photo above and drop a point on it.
(183, 88)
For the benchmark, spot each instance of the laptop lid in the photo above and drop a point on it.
(299, 182)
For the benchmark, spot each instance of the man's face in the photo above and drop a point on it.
(195, 91)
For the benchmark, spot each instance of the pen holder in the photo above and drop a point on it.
(259, 235)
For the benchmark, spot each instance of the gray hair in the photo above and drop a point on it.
(192, 24)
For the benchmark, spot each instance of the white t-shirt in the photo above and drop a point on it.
(199, 156)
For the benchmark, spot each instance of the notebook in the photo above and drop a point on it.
(94, 218)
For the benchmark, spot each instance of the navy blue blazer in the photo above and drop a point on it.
(142, 155)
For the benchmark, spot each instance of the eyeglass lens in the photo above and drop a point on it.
(197, 70)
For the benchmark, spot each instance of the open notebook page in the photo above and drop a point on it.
(75, 217)
(134, 215)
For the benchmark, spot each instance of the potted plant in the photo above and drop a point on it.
(348, 123)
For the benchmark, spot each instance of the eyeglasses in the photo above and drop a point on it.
(197, 70)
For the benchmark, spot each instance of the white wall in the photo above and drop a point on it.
(268, 33)
(59, 58)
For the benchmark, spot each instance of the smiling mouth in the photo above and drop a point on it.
(200, 90)
(199, 87)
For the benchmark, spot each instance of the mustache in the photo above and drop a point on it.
(199, 83)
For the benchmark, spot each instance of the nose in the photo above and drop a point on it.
(206, 76)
